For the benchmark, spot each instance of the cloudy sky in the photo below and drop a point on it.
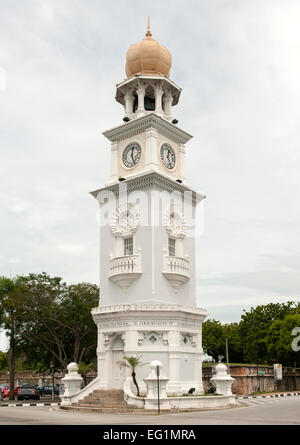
(238, 63)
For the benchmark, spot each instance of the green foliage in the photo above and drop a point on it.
(235, 343)
(84, 369)
(3, 361)
(133, 362)
(279, 339)
(54, 321)
(213, 338)
(263, 335)
(254, 327)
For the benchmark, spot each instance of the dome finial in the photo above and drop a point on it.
(148, 34)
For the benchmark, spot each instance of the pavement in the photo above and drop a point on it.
(47, 401)
(254, 411)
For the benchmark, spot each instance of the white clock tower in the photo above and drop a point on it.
(147, 242)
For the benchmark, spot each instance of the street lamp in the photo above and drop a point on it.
(52, 374)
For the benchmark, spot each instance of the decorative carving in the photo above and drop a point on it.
(126, 220)
(175, 222)
(188, 339)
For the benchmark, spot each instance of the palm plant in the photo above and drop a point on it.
(133, 363)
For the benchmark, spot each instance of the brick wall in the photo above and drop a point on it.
(248, 379)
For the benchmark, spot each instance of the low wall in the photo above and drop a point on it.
(37, 378)
(252, 378)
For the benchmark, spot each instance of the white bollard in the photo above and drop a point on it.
(222, 380)
(72, 383)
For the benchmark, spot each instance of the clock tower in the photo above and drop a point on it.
(147, 301)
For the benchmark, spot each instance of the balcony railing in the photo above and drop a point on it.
(124, 270)
(176, 270)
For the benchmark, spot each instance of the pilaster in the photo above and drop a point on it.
(151, 150)
(182, 161)
(114, 162)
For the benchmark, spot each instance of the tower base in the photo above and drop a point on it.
(170, 333)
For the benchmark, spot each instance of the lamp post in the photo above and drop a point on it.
(52, 375)
(227, 356)
(158, 395)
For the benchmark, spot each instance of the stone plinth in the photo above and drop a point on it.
(152, 382)
(72, 383)
(222, 381)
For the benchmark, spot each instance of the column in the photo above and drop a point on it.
(174, 386)
(198, 365)
(168, 100)
(128, 104)
(151, 150)
(158, 100)
(141, 101)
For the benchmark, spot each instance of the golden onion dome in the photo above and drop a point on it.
(148, 57)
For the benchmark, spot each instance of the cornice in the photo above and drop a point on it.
(161, 308)
(148, 181)
(141, 124)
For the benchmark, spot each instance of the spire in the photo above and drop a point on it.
(148, 34)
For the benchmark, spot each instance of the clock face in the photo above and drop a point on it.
(131, 155)
(167, 155)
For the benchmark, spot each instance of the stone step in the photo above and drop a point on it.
(116, 399)
(108, 391)
(91, 408)
(102, 404)
(106, 396)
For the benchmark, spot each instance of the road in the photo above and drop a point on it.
(275, 411)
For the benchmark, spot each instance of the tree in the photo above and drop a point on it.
(84, 369)
(279, 340)
(3, 361)
(213, 338)
(133, 363)
(57, 322)
(10, 311)
(254, 326)
(231, 332)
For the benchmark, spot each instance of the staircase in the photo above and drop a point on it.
(106, 401)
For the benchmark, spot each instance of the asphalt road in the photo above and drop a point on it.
(276, 411)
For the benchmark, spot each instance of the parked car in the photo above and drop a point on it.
(3, 386)
(28, 391)
(47, 390)
(6, 391)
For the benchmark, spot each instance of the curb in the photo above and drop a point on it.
(267, 397)
(29, 404)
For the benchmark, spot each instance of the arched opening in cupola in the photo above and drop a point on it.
(149, 100)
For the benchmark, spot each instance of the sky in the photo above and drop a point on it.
(238, 65)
